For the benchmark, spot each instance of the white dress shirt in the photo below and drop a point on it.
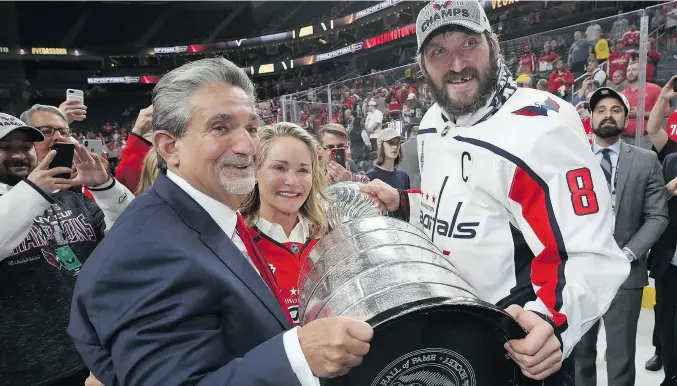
(299, 234)
(613, 155)
(226, 219)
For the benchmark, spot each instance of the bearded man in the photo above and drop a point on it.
(511, 192)
(639, 203)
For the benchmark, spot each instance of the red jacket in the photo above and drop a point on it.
(554, 84)
(129, 169)
(284, 262)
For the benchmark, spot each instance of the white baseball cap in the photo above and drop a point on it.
(9, 124)
(442, 13)
(388, 134)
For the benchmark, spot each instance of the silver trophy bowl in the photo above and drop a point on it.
(427, 320)
(371, 265)
(348, 203)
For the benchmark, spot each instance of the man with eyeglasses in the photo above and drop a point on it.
(47, 232)
(52, 123)
(333, 136)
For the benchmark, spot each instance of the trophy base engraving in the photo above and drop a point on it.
(439, 342)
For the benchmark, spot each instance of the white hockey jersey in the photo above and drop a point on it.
(520, 206)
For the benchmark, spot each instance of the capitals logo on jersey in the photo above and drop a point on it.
(538, 109)
(438, 6)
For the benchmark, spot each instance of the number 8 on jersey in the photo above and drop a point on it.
(583, 197)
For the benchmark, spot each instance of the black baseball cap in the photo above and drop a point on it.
(606, 92)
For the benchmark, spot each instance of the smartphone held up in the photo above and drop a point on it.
(63, 158)
(94, 146)
(339, 156)
(77, 95)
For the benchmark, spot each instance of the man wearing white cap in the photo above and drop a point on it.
(47, 232)
(516, 164)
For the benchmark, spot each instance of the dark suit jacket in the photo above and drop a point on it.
(410, 163)
(662, 253)
(168, 299)
(641, 209)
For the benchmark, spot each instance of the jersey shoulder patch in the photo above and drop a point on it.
(538, 108)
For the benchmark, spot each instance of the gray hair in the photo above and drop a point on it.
(27, 116)
(171, 96)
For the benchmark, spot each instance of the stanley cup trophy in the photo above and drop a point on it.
(430, 329)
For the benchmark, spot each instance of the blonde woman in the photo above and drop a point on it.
(149, 172)
(284, 214)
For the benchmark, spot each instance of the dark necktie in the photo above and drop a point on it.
(605, 163)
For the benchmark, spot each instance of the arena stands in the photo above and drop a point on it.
(315, 63)
(355, 59)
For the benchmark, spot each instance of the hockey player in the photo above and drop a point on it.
(511, 192)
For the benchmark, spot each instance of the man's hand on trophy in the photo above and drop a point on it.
(334, 345)
(386, 197)
(539, 355)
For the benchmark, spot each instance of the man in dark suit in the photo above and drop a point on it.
(636, 183)
(410, 163)
(664, 270)
(167, 298)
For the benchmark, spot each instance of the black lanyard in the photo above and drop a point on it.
(614, 170)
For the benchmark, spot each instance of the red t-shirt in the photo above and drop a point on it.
(671, 126)
(651, 96)
(631, 39)
(618, 61)
(394, 106)
(529, 61)
(400, 97)
(549, 58)
(554, 84)
(652, 58)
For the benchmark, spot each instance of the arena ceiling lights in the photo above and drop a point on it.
(387, 37)
(10, 52)
(276, 37)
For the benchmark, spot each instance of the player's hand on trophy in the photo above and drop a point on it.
(92, 381)
(672, 187)
(332, 346)
(539, 355)
(386, 197)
